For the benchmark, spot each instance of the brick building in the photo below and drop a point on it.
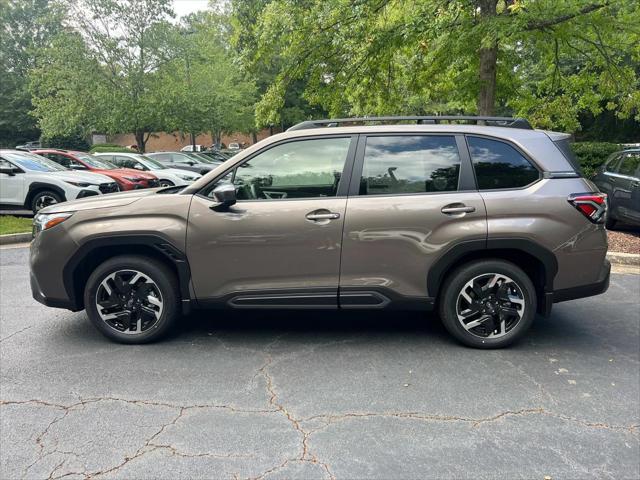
(163, 141)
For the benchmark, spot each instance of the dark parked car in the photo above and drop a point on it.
(184, 161)
(619, 178)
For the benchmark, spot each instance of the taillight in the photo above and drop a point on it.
(592, 205)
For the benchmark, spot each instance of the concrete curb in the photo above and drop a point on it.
(620, 258)
(15, 238)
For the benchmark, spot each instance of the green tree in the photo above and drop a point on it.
(102, 75)
(27, 26)
(547, 59)
(204, 90)
(291, 106)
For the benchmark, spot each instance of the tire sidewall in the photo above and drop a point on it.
(462, 275)
(164, 279)
(41, 194)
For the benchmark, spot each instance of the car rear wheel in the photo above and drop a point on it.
(488, 303)
(44, 199)
(132, 299)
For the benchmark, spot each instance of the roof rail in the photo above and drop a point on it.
(511, 122)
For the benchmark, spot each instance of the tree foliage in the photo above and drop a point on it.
(27, 26)
(122, 66)
(551, 59)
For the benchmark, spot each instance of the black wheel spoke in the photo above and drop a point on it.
(490, 305)
(129, 301)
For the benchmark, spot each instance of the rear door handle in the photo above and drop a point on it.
(457, 208)
(322, 216)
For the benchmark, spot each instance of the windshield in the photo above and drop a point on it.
(203, 159)
(150, 163)
(33, 162)
(95, 162)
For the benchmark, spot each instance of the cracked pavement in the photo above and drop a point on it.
(268, 395)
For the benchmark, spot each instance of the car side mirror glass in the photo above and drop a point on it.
(225, 195)
(77, 167)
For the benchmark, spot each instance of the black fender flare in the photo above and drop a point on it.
(158, 242)
(443, 265)
(38, 186)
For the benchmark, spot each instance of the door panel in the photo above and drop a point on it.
(395, 228)
(391, 242)
(264, 245)
(11, 186)
(283, 236)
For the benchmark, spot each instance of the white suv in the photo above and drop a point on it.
(31, 181)
(167, 176)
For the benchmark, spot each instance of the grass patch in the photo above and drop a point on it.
(9, 224)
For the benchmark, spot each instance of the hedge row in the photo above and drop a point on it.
(591, 155)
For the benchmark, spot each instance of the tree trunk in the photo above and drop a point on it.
(140, 140)
(254, 137)
(193, 142)
(488, 64)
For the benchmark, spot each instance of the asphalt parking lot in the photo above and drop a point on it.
(318, 395)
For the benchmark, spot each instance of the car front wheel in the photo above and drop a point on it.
(44, 199)
(488, 303)
(132, 299)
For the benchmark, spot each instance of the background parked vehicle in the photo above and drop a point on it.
(28, 146)
(619, 178)
(184, 161)
(34, 182)
(215, 155)
(189, 148)
(166, 176)
(126, 178)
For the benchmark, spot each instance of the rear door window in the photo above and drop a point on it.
(629, 165)
(404, 164)
(499, 165)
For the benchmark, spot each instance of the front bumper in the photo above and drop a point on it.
(39, 296)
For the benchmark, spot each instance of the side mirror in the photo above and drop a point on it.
(11, 171)
(191, 162)
(75, 166)
(225, 195)
(138, 166)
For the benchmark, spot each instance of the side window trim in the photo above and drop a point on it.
(466, 180)
(343, 187)
(517, 149)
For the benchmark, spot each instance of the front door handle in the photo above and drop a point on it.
(322, 216)
(457, 208)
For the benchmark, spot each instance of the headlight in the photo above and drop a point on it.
(132, 179)
(79, 184)
(44, 221)
(186, 177)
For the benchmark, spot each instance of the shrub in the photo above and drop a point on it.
(75, 141)
(109, 147)
(591, 155)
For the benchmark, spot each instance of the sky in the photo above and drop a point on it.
(185, 7)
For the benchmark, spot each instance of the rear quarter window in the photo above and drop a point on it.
(499, 165)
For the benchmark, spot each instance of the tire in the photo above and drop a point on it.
(610, 222)
(44, 198)
(166, 183)
(510, 304)
(147, 321)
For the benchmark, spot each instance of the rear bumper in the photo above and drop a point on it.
(600, 286)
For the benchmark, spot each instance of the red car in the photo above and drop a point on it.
(126, 178)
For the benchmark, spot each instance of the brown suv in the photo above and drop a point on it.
(488, 223)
